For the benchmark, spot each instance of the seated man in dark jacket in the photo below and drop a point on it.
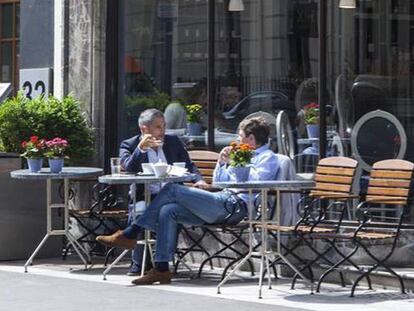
(152, 146)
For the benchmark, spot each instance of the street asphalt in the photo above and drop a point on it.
(33, 292)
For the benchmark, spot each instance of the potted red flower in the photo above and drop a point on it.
(33, 152)
(55, 151)
(311, 115)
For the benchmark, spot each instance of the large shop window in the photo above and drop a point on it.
(266, 60)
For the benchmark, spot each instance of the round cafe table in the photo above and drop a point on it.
(66, 174)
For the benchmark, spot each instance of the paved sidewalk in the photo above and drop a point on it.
(52, 284)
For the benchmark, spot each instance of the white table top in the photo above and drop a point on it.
(67, 172)
(142, 179)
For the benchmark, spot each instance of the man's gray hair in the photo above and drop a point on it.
(149, 115)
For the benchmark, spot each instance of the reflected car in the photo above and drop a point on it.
(268, 101)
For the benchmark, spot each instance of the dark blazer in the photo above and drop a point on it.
(174, 150)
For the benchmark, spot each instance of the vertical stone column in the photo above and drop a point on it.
(85, 38)
(86, 64)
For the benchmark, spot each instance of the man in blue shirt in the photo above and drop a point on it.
(177, 205)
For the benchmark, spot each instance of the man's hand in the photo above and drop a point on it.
(201, 184)
(149, 141)
(224, 155)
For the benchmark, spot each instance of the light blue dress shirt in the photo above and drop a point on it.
(265, 166)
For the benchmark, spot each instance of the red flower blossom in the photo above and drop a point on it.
(34, 139)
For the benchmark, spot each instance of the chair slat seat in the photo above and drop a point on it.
(380, 199)
(114, 212)
(86, 212)
(301, 228)
(360, 235)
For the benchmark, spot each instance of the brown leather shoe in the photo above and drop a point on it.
(116, 240)
(154, 276)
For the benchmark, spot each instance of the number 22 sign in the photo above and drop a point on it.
(35, 82)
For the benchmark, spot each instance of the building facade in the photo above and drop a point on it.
(122, 56)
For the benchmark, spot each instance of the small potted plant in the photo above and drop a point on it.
(33, 152)
(311, 117)
(194, 112)
(240, 157)
(55, 152)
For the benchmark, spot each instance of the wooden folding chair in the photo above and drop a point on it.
(333, 190)
(381, 216)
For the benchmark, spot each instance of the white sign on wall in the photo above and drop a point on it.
(5, 90)
(36, 82)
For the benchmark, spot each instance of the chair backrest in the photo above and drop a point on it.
(334, 176)
(205, 161)
(390, 181)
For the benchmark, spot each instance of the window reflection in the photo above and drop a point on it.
(266, 59)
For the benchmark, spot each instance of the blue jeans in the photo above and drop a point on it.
(177, 205)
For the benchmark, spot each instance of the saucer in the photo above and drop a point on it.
(145, 174)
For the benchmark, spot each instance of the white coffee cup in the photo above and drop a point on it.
(161, 169)
(179, 164)
(147, 168)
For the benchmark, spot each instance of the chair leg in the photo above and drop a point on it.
(290, 251)
(381, 263)
(402, 286)
(332, 268)
(359, 278)
(196, 246)
(309, 264)
(353, 264)
(226, 246)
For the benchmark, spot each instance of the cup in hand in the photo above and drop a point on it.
(161, 169)
(179, 164)
(115, 166)
(147, 168)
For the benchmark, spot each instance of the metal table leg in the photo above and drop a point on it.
(65, 231)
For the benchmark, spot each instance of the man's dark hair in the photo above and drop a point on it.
(258, 127)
